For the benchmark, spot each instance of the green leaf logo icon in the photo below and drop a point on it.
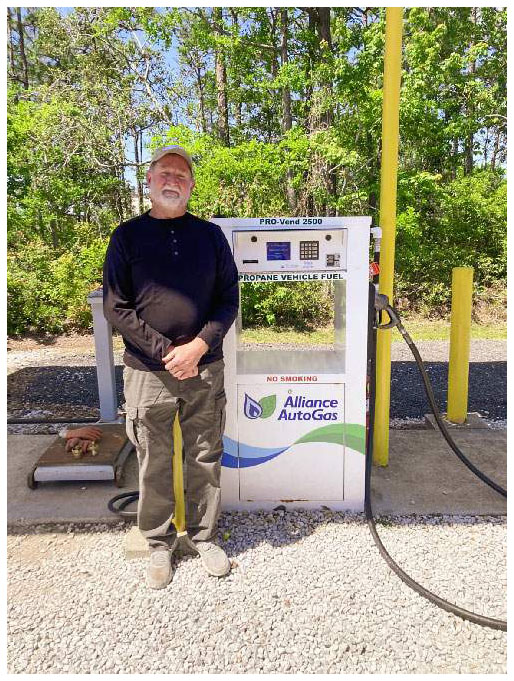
(268, 405)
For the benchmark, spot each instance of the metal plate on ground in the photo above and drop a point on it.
(57, 464)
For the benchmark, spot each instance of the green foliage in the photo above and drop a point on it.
(91, 90)
(461, 223)
(302, 305)
(31, 304)
(49, 188)
(48, 294)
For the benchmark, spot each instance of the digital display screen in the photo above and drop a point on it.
(278, 250)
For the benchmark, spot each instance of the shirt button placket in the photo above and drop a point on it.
(174, 243)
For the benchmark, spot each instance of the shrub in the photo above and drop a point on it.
(301, 305)
(462, 223)
(48, 294)
(32, 305)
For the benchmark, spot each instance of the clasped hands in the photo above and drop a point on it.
(182, 360)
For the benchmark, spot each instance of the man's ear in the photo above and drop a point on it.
(148, 177)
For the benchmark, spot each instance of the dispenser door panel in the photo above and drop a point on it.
(291, 442)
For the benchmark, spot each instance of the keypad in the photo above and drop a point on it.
(309, 250)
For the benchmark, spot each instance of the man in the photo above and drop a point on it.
(171, 289)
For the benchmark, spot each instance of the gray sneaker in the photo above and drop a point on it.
(213, 557)
(160, 570)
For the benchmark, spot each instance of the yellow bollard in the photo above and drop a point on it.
(179, 519)
(388, 175)
(458, 369)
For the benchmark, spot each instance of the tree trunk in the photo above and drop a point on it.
(201, 95)
(123, 202)
(486, 147)
(495, 150)
(468, 143)
(322, 116)
(312, 59)
(326, 36)
(272, 107)
(139, 183)
(25, 71)
(238, 107)
(141, 146)
(287, 120)
(468, 154)
(10, 40)
(203, 120)
(221, 80)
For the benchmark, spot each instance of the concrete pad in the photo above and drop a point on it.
(473, 420)
(134, 544)
(424, 476)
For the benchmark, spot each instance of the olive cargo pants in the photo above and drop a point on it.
(152, 400)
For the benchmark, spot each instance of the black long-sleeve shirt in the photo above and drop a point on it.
(166, 281)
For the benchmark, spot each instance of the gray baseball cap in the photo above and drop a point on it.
(172, 149)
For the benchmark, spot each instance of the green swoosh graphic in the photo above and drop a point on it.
(352, 435)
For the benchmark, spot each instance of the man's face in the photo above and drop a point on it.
(170, 183)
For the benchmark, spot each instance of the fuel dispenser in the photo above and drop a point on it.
(295, 429)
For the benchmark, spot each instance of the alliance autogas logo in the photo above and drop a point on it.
(262, 409)
(297, 408)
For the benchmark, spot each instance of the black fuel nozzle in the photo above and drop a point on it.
(381, 301)
(382, 305)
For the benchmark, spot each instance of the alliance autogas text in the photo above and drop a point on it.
(316, 409)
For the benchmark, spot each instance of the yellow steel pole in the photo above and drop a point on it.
(179, 519)
(388, 175)
(458, 369)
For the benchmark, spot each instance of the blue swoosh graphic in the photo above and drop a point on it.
(248, 456)
(351, 435)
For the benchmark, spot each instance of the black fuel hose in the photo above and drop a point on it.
(125, 500)
(482, 620)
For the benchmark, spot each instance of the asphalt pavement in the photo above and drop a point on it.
(71, 390)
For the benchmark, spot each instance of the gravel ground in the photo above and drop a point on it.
(60, 380)
(308, 593)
